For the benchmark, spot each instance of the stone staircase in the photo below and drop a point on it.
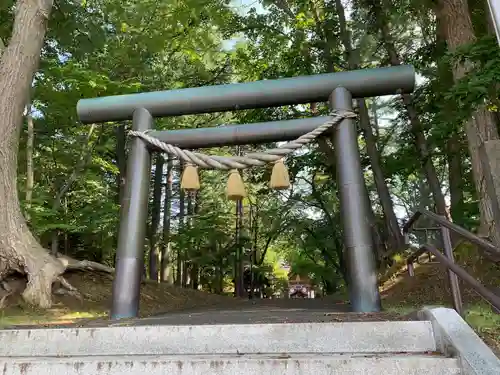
(441, 343)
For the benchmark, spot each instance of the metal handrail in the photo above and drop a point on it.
(484, 292)
(451, 226)
(446, 259)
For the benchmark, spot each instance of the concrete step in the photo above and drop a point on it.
(352, 337)
(297, 364)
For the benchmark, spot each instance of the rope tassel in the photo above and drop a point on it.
(235, 189)
(190, 180)
(280, 179)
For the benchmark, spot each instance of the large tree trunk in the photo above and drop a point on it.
(454, 150)
(166, 274)
(29, 162)
(416, 126)
(454, 15)
(19, 250)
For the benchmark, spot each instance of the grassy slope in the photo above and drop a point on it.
(430, 287)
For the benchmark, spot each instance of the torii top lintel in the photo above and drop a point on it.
(258, 94)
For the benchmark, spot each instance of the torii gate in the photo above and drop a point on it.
(336, 88)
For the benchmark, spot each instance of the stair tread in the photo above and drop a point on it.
(317, 364)
(407, 336)
(230, 356)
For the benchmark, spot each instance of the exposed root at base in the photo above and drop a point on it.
(68, 289)
(15, 286)
(3, 300)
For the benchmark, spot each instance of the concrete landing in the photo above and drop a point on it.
(263, 311)
(272, 314)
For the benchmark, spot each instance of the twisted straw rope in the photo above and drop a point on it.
(250, 159)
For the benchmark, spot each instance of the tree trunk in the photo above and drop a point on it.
(155, 220)
(166, 274)
(195, 268)
(121, 160)
(182, 196)
(374, 110)
(219, 273)
(455, 178)
(391, 221)
(186, 264)
(416, 126)
(453, 144)
(238, 262)
(195, 277)
(121, 163)
(19, 250)
(29, 162)
(324, 31)
(85, 158)
(454, 15)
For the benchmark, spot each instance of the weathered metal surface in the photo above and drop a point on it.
(259, 94)
(133, 221)
(242, 134)
(363, 284)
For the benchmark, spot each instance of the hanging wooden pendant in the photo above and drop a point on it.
(235, 189)
(190, 180)
(280, 179)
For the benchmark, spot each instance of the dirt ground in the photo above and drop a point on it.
(96, 291)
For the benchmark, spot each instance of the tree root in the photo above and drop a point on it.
(3, 300)
(43, 272)
(9, 291)
(83, 265)
(41, 275)
(67, 289)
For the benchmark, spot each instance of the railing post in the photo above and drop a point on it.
(406, 237)
(411, 269)
(132, 232)
(454, 284)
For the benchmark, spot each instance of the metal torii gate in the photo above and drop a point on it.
(337, 88)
